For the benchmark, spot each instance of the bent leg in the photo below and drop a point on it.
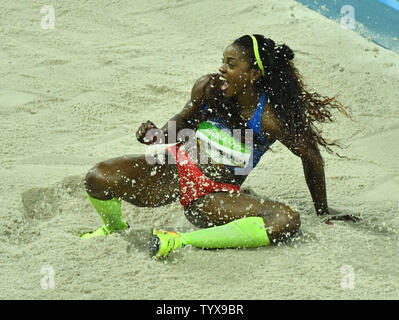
(236, 220)
(129, 178)
(220, 208)
(133, 179)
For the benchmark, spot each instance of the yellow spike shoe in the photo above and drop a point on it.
(162, 242)
(102, 231)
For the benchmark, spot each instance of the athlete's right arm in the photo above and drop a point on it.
(188, 118)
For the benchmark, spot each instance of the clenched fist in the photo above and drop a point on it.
(142, 132)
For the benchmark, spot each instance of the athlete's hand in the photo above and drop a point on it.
(337, 216)
(141, 132)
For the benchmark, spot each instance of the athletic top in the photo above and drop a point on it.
(224, 145)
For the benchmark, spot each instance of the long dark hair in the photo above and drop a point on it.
(295, 107)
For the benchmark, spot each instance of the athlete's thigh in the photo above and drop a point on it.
(223, 207)
(140, 181)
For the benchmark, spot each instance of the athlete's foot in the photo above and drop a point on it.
(162, 242)
(102, 231)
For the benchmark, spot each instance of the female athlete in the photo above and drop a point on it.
(230, 121)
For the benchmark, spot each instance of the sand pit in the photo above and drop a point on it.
(75, 95)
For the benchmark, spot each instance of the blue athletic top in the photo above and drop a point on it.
(260, 143)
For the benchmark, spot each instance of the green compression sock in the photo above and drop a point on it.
(110, 212)
(243, 233)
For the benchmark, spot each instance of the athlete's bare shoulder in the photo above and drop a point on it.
(199, 91)
(198, 95)
(271, 126)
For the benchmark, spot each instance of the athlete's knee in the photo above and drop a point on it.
(97, 183)
(196, 219)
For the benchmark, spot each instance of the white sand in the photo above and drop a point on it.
(74, 96)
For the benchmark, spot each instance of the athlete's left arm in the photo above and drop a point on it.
(312, 161)
(313, 167)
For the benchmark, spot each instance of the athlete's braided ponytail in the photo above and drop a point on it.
(296, 108)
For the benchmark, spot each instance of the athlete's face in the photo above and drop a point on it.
(236, 73)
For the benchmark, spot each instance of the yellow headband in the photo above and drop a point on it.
(256, 52)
